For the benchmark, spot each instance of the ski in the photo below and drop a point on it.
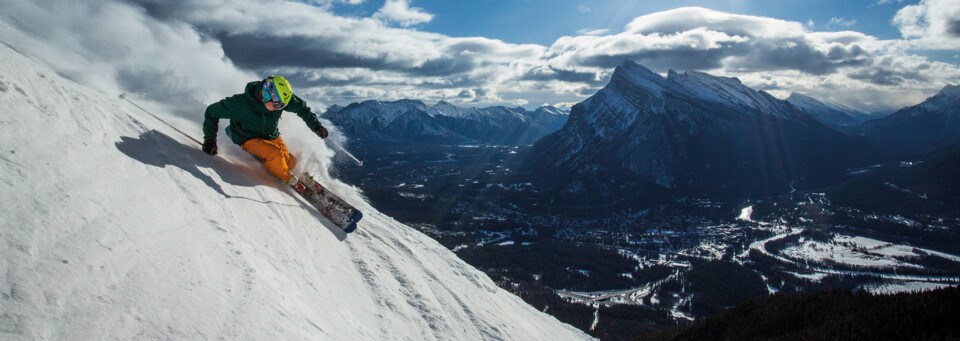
(330, 205)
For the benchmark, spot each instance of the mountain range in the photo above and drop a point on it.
(413, 121)
(913, 131)
(828, 114)
(690, 133)
(694, 133)
(927, 127)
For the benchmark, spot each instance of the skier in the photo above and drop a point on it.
(254, 116)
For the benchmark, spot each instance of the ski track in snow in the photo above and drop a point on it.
(116, 227)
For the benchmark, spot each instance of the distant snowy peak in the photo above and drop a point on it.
(385, 112)
(823, 112)
(807, 102)
(447, 109)
(948, 96)
(550, 110)
(945, 103)
(922, 128)
(630, 78)
(415, 121)
(949, 91)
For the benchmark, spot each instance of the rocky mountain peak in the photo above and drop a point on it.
(691, 132)
(550, 110)
(949, 91)
(631, 74)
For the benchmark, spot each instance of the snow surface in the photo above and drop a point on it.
(114, 226)
(638, 75)
(724, 91)
(846, 252)
(910, 286)
(746, 213)
(842, 254)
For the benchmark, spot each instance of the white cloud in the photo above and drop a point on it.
(931, 24)
(154, 47)
(884, 2)
(329, 2)
(771, 54)
(689, 18)
(564, 105)
(399, 11)
(593, 32)
(519, 102)
(583, 8)
(837, 21)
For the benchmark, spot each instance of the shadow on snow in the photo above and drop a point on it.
(159, 150)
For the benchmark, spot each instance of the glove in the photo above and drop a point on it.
(210, 146)
(321, 131)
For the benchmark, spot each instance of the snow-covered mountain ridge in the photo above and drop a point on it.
(926, 127)
(414, 121)
(116, 227)
(824, 112)
(692, 132)
(698, 86)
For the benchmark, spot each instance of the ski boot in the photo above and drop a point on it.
(297, 185)
(312, 183)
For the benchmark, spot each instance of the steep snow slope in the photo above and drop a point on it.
(113, 226)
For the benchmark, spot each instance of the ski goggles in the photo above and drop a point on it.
(270, 94)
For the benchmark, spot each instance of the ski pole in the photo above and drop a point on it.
(124, 97)
(335, 144)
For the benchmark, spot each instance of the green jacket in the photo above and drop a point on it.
(249, 118)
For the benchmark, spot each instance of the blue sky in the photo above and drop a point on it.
(871, 54)
(543, 21)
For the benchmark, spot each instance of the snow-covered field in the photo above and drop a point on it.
(905, 286)
(745, 214)
(848, 251)
(861, 252)
(114, 226)
(844, 254)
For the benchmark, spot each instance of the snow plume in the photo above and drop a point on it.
(116, 47)
(116, 227)
(168, 67)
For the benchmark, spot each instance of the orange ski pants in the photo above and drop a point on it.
(274, 155)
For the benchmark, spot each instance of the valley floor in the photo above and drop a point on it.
(662, 266)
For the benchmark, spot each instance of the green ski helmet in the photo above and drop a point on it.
(277, 89)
